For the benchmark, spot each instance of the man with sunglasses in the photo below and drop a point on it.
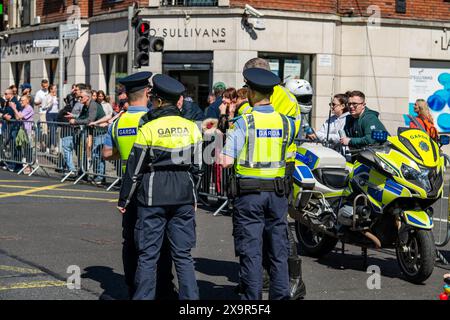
(360, 123)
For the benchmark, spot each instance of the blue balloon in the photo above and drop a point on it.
(443, 122)
(444, 79)
(437, 102)
(445, 94)
(411, 109)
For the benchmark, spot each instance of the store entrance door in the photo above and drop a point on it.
(194, 70)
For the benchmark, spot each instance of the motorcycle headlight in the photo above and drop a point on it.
(419, 178)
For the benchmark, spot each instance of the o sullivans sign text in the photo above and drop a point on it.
(216, 34)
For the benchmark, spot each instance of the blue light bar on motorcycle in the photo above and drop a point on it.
(444, 140)
(379, 135)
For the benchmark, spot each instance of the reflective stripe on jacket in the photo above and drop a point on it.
(159, 169)
(264, 154)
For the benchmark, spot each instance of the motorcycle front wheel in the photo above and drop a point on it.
(313, 243)
(417, 256)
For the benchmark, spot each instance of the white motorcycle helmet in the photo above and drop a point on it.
(303, 91)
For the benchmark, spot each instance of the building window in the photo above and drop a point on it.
(289, 66)
(27, 72)
(21, 72)
(189, 3)
(25, 17)
(51, 65)
(114, 68)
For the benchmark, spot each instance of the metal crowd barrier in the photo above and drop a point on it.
(70, 149)
(94, 164)
(17, 144)
(214, 179)
(59, 147)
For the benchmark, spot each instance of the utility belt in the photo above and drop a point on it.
(239, 187)
(152, 168)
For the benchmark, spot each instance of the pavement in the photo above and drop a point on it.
(52, 231)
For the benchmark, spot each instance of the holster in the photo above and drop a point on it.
(232, 187)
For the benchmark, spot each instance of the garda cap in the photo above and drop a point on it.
(261, 80)
(136, 82)
(166, 87)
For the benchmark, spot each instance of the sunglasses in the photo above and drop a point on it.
(354, 104)
(334, 105)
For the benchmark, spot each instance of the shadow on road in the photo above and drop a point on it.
(112, 283)
(217, 268)
(354, 261)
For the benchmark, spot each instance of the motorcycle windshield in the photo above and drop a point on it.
(417, 145)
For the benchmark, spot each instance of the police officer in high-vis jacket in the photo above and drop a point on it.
(284, 102)
(258, 148)
(159, 179)
(118, 144)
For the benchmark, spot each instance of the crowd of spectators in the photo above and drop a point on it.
(90, 112)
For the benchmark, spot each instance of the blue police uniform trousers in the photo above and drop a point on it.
(151, 226)
(256, 215)
(164, 288)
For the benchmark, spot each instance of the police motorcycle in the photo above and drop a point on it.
(382, 200)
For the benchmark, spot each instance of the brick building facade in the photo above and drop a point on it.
(338, 45)
(432, 10)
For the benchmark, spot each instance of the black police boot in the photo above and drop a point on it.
(297, 287)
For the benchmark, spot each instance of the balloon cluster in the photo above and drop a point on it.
(439, 100)
(446, 294)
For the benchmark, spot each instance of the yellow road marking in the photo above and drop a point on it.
(20, 270)
(64, 197)
(2, 181)
(33, 284)
(69, 197)
(30, 191)
(59, 189)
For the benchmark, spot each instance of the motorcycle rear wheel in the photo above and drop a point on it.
(314, 244)
(417, 257)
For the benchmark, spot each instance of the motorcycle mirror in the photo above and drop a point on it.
(379, 136)
(444, 140)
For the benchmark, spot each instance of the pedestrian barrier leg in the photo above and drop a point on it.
(440, 257)
(22, 170)
(113, 184)
(34, 171)
(81, 177)
(221, 208)
(67, 176)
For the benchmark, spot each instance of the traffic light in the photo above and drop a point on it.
(141, 44)
(1, 16)
(156, 44)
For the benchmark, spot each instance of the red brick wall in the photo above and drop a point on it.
(102, 6)
(322, 6)
(54, 10)
(415, 9)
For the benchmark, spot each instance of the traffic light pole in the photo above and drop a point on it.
(130, 40)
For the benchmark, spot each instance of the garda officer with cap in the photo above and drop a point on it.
(162, 160)
(118, 144)
(258, 149)
(284, 102)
